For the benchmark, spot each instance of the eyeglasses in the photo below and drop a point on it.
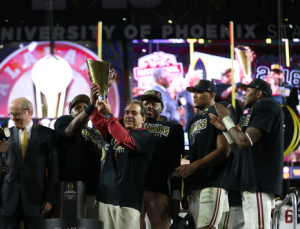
(16, 114)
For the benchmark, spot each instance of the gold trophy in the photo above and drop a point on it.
(243, 54)
(99, 73)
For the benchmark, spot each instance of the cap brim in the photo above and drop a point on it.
(144, 97)
(244, 86)
(191, 89)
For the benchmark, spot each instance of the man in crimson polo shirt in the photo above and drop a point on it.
(257, 166)
(122, 180)
(168, 147)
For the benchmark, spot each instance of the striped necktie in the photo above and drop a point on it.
(24, 143)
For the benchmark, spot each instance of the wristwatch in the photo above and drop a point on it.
(109, 115)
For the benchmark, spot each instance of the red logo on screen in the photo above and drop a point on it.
(143, 74)
(16, 78)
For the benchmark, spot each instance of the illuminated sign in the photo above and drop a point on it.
(212, 66)
(292, 172)
(291, 76)
(16, 79)
(146, 64)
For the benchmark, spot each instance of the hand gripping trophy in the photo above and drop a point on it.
(99, 73)
(244, 56)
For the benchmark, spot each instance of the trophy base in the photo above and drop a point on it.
(103, 97)
(71, 223)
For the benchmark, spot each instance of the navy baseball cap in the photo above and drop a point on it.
(82, 97)
(203, 85)
(152, 94)
(260, 85)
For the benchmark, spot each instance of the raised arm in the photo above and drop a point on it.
(121, 135)
(82, 119)
(97, 118)
(218, 123)
(243, 140)
(100, 124)
(247, 139)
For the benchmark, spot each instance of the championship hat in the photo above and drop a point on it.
(276, 67)
(203, 85)
(152, 94)
(82, 97)
(258, 84)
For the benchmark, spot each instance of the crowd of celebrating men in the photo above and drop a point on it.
(132, 167)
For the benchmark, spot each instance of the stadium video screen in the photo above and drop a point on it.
(169, 58)
(211, 60)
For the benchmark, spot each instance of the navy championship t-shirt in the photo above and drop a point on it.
(202, 141)
(260, 166)
(123, 176)
(169, 141)
(80, 156)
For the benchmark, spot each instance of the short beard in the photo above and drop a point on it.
(152, 118)
(199, 107)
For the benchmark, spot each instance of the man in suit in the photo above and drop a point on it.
(161, 85)
(185, 98)
(29, 189)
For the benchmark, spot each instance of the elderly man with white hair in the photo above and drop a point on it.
(29, 189)
(161, 84)
(185, 99)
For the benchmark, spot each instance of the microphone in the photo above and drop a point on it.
(4, 135)
(4, 132)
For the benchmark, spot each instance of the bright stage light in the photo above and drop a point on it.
(287, 53)
(201, 41)
(51, 75)
(268, 40)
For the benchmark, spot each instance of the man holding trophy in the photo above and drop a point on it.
(81, 149)
(121, 187)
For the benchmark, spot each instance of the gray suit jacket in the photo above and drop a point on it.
(189, 108)
(27, 179)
